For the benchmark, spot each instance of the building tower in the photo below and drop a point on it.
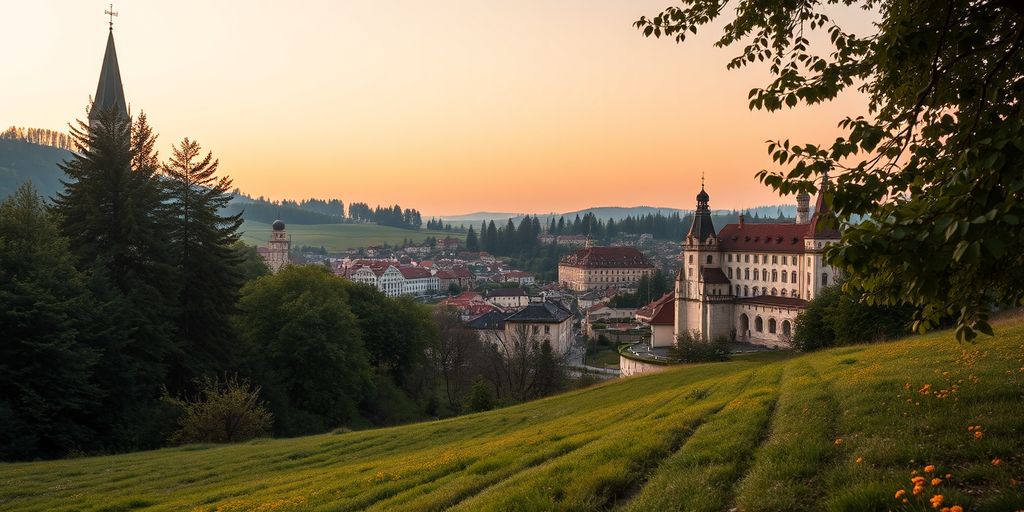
(109, 92)
(700, 251)
(276, 255)
(820, 234)
(803, 214)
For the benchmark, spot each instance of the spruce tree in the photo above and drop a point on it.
(113, 214)
(208, 267)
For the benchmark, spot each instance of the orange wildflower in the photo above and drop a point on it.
(997, 461)
(918, 489)
(936, 481)
(978, 434)
(838, 441)
(929, 468)
(900, 493)
(936, 501)
(956, 508)
(918, 480)
(860, 460)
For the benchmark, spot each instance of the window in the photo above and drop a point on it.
(793, 293)
(794, 260)
(547, 329)
(824, 279)
(785, 276)
(786, 328)
(536, 329)
(730, 257)
(746, 258)
(709, 259)
(755, 274)
(775, 259)
(775, 275)
(691, 258)
(783, 292)
(737, 290)
(755, 258)
(746, 273)
(764, 290)
(730, 272)
(771, 325)
(758, 324)
(764, 274)
(746, 291)
(792, 278)
(775, 291)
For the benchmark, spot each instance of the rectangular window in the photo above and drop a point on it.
(746, 258)
(547, 329)
(730, 258)
(775, 259)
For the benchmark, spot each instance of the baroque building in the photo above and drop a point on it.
(747, 282)
(275, 254)
(599, 268)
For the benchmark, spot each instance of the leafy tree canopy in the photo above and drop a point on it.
(936, 169)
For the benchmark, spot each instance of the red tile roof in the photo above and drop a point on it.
(414, 272)
(665, 314)
(606, 257)
(713, 275)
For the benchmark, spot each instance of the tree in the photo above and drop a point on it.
(47, 394)
(471, 242)
(222, 412)
(113, 211)
(836, 317)
(305, 347)
(207, 264)
(480, 397)
(937, 168)
(453, 356)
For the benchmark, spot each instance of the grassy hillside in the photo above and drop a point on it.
(837, 430)
(338, 237)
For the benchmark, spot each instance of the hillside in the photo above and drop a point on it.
(23, 161)
(610, 212)
(339, 237)
(836, 430)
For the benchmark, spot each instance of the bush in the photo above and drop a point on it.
(837, 317)
(689, 348)
(223, 412)
(480, 397)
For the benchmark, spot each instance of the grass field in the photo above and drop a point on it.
(837, 430)
(339, 237)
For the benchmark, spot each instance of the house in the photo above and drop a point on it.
(507, 298)
(392, 279)
(541, 321)
(519, 277)
(459, 276)
(660, 316)
(595, 268)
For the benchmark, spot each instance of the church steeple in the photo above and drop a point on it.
(109, 92)
(702, 227)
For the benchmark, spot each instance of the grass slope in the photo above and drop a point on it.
(339, 237)
(836, 430)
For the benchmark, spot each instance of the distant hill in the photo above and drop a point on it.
(615, 212)
(22, 161)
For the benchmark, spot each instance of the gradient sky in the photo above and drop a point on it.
(447, 106)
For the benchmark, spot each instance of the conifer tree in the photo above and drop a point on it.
(201, 242)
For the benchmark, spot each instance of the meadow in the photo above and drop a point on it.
(340, 237)
(918, 424)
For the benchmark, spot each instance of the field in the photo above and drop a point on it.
(339, 237)
(842, 430)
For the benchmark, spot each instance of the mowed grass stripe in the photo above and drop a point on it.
(593, 477)
(699, 477)
(783, 475)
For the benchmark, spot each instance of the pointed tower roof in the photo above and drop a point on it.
(702, 226)
(109, 93)
(822, 210)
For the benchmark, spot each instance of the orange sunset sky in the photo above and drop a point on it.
(446, 106)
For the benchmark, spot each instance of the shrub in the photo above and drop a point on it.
(689, 348)
(480, 397)
(223, 412)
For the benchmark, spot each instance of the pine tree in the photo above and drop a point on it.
(471, 241)
(113, 213)
(201, 242)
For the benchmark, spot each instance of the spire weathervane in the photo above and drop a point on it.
(111, 13)
(702, 180)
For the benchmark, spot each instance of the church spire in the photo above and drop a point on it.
(702, 226)
(109, 92)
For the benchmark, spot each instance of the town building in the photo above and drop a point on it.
(749, 281)
(541, 321)
(392, 279)
(519, 277)
(594, 268)
(275, 253)
(507, 298)
(459, 276)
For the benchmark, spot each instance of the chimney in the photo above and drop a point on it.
(741, 220)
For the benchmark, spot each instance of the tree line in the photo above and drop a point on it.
(394, 216)
(40, 136)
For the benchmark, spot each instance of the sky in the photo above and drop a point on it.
(450, 106)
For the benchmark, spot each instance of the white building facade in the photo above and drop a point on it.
(749, 281)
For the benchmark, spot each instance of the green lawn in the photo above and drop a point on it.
(339, 237)
(837, 430)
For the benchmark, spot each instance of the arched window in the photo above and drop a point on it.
(775, 291)
(792, 278)
(746, 291)
(744, 324)
(730, 272)
(775, 275)
(793, 293)
(746, 258)
(786, 328)
(764, 290)
(746, 273)
(758, 324)
(709, 259)
(764, 274)
(783, 292)
(756, 274)
(785, 276)
(824, 279)
(737, 290)
(771, 325)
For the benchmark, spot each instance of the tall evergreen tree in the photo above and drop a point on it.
(113, 212)
(47, 395)
(471, 241)
(208, 267)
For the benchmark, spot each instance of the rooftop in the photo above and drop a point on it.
(606, 257)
